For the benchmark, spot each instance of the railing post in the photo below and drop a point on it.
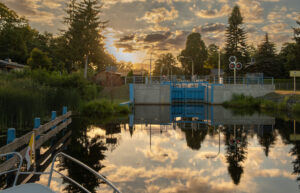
(11, 136)
(53, 117)
(64, 111)
(37, 124)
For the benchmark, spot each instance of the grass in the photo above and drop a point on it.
(281, 104)
(102, 108)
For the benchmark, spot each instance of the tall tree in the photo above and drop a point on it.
(287, 57)
(195, 52)
(39, 59)
(84, 34)
(236, 39)
(297, 39)
(267, 60)
(165, 65)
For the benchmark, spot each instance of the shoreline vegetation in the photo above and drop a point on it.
(35, 93)
(271, 103)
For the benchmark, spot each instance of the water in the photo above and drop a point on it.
(186, 149)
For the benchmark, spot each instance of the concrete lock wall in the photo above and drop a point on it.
(222, 93)
(152, 94)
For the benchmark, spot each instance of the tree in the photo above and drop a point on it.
(297, 39)
(196, 51)
(164, 65)
(266, 60)
(236, 39)
(39, 59)
(84, 34)
(213, 56)
(287, 57)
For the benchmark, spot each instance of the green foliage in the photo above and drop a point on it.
(83, 35)
(296, 108)
(39, 59)
(267, 61)
(288, 58)
(213, 56)
(165, 65)
(242, 101)
(195, 51)
(236, 39)
(102, 108)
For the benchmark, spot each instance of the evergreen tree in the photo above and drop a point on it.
(39, 59)
(196, 51)
(297, 39)
(84, 34)
(236, 39)
(267, 61)
(287, 57)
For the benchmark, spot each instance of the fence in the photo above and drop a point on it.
(208, 79)
(42, 132)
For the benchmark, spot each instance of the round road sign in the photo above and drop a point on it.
(232, 59)
(239, 66)
(232, 65)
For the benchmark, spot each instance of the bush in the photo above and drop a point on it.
(296, 108)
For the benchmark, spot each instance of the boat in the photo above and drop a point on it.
(39, 188)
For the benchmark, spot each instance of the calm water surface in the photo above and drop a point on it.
(186, 149)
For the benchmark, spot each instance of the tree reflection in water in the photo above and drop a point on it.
(236, 146)
(267, 138)
(89, 151)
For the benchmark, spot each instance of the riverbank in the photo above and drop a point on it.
(273, 102)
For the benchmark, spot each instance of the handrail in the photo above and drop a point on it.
(19, 167)
(81, 164)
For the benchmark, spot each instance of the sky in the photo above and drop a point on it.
(137, 28)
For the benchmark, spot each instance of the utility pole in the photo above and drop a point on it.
(219, 67)
(86, 65)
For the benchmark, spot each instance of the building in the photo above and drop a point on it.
(7, 65)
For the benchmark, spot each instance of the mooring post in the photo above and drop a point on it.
(37, 124)
(53, 117)
(64, 111)
(11, 136)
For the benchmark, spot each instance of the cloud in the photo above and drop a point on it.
(275, 28)
(294, 16)
(159, 15)
(251, 10)
(30, 9)
(126, 47)
(127, 38)
(156, 37)
(210, 28)
(213, 13)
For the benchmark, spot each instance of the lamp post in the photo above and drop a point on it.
(192, 65)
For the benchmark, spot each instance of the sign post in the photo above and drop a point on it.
(294, 74)
(234, 65)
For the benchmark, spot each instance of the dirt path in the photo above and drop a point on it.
(287, 92)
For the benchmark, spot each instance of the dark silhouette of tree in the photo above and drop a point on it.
(236, 39)
(195, 49)
(267, 138)
(267, 61)
(297, 39)
(213, 56)
(165, 65)
(235, 153)
(87, 150)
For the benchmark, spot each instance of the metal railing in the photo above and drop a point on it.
(53, 170)
(208, 79)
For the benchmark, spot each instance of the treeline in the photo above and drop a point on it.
(68, 51)
(261, 59)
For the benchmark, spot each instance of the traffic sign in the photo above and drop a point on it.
(238, 66)
(294, 73)
(232, 59)
(232, 66)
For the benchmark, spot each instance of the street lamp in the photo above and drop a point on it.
(192, 64)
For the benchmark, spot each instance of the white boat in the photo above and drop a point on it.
(38, 188)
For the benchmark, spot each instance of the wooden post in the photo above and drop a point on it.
(37, 124)
(53, 117)
(11, 136)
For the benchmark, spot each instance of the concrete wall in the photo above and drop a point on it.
(151, 94)
(222, 93)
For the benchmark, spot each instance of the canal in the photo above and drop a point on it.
(184, 148)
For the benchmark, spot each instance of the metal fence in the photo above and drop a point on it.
(208, 79)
